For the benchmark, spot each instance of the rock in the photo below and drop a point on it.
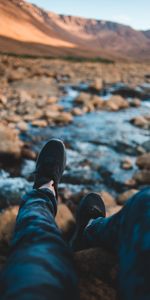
(7, 223)
(141, 121)
(39, 123)
(96, 85)
(52, 100)
(83, 98)
(22, 126)
(82, 175)
(65, 220)
(76, 111)
(146, 146)
(113, 210)
(108, 199)
(126, 164)
(123, 198)
(142, 177)
(63, 118)
(10, 144)
(130, 182)
(28, 153)
(97, 271)
(143, 161)
(135, 102)
(32, 117)
(116, 103)
(97, 102)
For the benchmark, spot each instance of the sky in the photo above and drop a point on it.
(135, 13)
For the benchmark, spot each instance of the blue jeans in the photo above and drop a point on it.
(40, 265)
(127, 233)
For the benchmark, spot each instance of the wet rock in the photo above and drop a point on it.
(126, 164)
(96, 85)
(143, 161)
(116, 103)
(135, 102)
(123, 198)
(141, 121)
(10, 144)
(39, 123)
(76, 111)
(127, 91)
(82, 176)
(83, 98)
(28, 153)
(142, 177)
(146, 146)
(97, 270)
(64, 118)
(12, 189)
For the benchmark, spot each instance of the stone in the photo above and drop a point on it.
(123, 198)
(83, 98)
(108, 199)
(10, 144)
(116, 103)
(39, 123)
(7, 223)
(113, 210)
(141, 121)
(97, 270)
(52, 100)
(28, 153)
(82, 175)
(126, 164)
(65, 220)
(22, 126)
(76, 111)
(143, 161)
(142, 177)
(96, 85)
(135, 102)
(64, 118)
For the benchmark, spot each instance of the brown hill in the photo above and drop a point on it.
(27, 29)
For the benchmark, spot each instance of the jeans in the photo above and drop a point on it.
(127, 233)
(40, 265)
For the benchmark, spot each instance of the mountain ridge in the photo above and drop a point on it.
(27, 23)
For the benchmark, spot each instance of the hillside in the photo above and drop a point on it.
(27, 29)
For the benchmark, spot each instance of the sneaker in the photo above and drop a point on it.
(50, 164)
(90, 207)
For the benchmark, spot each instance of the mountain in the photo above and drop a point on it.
(28, 29)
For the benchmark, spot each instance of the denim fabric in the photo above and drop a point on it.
(40, 265)
(127, 233)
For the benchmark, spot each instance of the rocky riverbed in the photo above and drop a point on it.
(101, 111)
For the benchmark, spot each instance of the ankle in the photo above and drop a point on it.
(50, 186)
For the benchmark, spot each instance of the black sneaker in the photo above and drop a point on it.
(50, 164)
(90, 207)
